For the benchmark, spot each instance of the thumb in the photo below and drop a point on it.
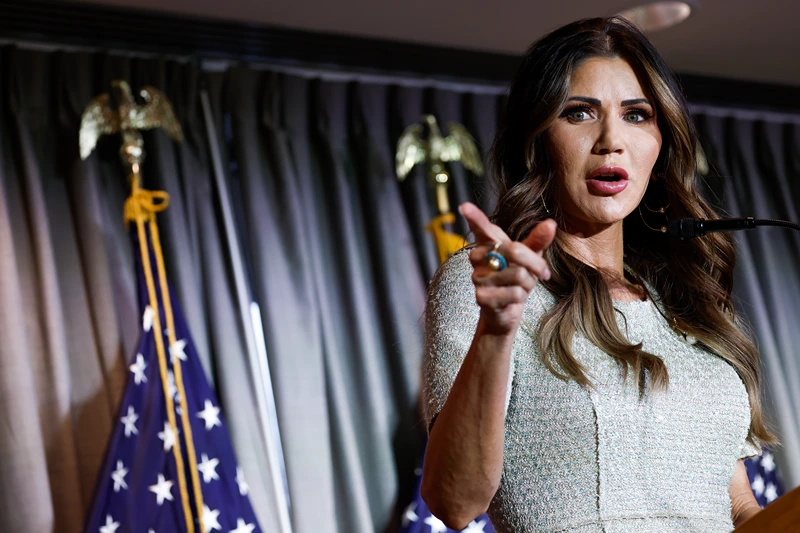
(541, 235)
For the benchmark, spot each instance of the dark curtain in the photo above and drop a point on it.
(755, 157)
(336, 256)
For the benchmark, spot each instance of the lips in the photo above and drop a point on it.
(607, 180)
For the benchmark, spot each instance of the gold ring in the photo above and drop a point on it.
(495, 259)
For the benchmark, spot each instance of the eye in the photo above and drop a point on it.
(636, 116)
(578, 113)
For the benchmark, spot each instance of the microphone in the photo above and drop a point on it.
(688, 228)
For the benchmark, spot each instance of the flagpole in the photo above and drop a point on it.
(254, 335)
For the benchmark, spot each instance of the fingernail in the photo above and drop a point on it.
(460, 210)
(547, 274)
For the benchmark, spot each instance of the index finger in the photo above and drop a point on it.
(485, 232)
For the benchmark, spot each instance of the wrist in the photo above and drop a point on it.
(746, 513)
(496, 335)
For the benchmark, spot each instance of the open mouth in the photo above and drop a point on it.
(609, 174)
(607, 180)
(608, 177)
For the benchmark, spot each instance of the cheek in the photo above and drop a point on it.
(568, 150)
(649, 146)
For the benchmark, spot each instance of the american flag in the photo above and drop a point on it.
(139, 490)
(417, 518)
(764, 478)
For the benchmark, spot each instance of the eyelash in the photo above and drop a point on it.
(644, 113)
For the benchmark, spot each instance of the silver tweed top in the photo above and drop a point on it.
(599, 460)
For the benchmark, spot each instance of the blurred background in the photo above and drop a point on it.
(285, 199)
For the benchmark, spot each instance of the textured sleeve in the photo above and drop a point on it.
(749, 450)
(451, 318)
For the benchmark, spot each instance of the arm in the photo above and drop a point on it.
(743, 503)
(464, 457)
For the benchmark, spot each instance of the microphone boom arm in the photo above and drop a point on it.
(688, 228)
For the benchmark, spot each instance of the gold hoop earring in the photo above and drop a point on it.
(659, 210)
(662, 229)
(546, 209)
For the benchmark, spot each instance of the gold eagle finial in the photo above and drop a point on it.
(129, 118)
(435, 151)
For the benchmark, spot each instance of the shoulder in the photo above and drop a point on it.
(455, 271)
(451, 295)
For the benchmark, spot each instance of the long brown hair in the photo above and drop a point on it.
(693, 279)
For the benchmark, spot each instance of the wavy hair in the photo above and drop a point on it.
(693, 279)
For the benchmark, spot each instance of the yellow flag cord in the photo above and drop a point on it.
(447, 243)
(142, 207)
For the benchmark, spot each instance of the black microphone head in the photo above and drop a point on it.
(683, 228)
(688, 228)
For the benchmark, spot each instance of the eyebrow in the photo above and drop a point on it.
(598, 103)
(635, 101)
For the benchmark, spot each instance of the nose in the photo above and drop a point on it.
(610, 137)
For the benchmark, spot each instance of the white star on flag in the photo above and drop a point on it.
(172, 389)
(118, 476)
(768, 462)
(475, 527)
(130, 422)
(209, 468)
(110, 526)
(758, 485)
(771, 493)
(147, 318)
(210, 519)
(138, 369)
(242, 527)
(210, 414)
(244, 488)
(176, 350)
(162, 489)
(168, 436)
(437, 526)
(410, 515)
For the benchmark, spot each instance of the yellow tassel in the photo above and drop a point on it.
(187, 429)
(447, 243)
(141, 207)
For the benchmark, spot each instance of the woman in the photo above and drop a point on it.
(584, 372)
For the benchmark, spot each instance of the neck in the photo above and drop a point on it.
(601, 248)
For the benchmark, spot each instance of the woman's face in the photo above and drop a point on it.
(603, 145)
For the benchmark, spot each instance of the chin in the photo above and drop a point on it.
(608, 221)
(607, 214)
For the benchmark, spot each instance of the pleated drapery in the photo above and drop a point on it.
(336, 257)
(757, 156)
